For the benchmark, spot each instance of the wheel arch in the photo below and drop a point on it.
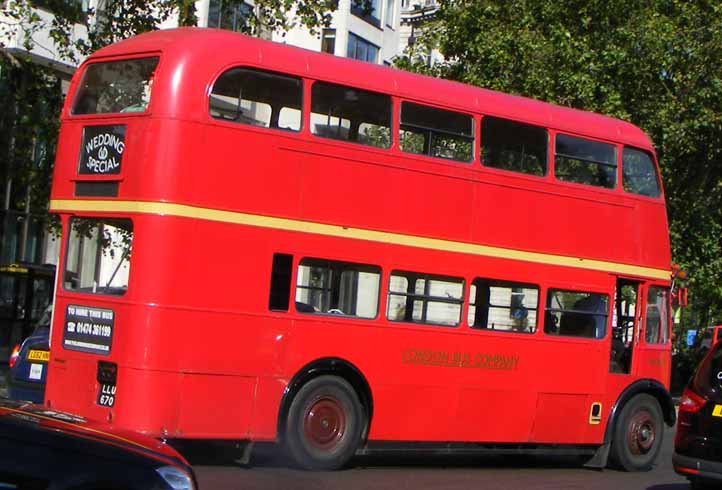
(326, 366)
(649, 386)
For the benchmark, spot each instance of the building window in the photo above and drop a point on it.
(638, 173)
(584, 161)
(422, 298)
(389, 14)
(503, 306)
(349, 114)
(230, 15)
(337, 288)
(258, 98)
(435, 132)
(367, 10)
(513, 146)
(361, 49)
(328, 41)
(576, 314)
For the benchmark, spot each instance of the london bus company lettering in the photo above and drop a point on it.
(460, 359)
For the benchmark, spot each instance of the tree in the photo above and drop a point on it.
(656, 64)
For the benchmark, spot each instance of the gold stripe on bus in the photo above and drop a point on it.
(185, 211)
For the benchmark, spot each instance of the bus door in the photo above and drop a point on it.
(625, 326)
(654, 358)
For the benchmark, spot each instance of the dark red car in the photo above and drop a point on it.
(698, 443)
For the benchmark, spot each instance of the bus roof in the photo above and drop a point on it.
(219, 49)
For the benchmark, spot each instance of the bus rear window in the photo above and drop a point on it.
(98, 256)
(115, 87)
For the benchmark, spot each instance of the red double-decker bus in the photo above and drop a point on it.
(263, 243)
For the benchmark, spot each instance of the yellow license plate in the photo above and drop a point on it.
(39, 355)
(717, 412)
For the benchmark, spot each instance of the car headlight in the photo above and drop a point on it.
(176, 478)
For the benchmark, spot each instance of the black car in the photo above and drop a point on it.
(42, 449)
(698, 442)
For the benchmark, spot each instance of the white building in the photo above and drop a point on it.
(415, 14)
(354, 33)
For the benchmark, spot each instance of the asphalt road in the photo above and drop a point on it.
(409, 472)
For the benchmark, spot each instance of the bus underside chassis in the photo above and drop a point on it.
(638, 434)
(325, 423)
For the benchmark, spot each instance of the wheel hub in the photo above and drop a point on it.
(641, 434)
(325, 423)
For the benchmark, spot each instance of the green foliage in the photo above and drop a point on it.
(31, 99)
(656, 64)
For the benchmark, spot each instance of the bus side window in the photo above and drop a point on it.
(423, 298)
(337, 288)
(350, 114)
(503, 306)
(656, 328)
(513, 146)
(258, 98)
(435, 132)
(280, 282)
(576, 314)
(585, 161)
(639, 175)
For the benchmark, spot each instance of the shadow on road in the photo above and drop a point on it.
(220, 453)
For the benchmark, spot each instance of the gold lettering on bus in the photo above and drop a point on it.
(478, 360)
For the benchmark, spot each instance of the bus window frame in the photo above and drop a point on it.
(657, 173)
(397, 109)
(552, 172)
(577, 288)
(303, 129)
(75, 88)
(63, 263)
(393, 116)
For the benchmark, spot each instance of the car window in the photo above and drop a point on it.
(709, 374)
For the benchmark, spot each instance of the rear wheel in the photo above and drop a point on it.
(638, 434)
(324, 424)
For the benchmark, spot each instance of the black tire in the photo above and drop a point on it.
(638, 434)
(324, 424)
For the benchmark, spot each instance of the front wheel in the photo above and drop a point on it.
(638, 434)
(324, 424)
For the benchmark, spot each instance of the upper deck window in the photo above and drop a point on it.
(435, 132)
(98, 255)
(115, 86)
(638, 173)
(259, 98)
(585, 162)
(514, 146)
(350, 114)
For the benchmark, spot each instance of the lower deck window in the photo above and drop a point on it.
(341, 288)
(421, 298)
(503, 306)
(576, 314)
(98, 255)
